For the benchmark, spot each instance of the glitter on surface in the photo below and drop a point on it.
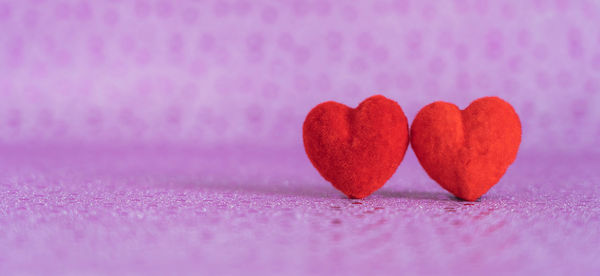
(167, 210)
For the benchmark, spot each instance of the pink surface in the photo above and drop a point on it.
(159, 136)
(158, 211)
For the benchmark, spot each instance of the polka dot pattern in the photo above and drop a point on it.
(236, 71)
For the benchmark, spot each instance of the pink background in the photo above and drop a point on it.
(229, 72)
(164, 137)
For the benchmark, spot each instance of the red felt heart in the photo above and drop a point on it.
(357, 150)
(466, 151)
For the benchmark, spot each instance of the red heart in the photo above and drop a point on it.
(466, 151)
(357, 150)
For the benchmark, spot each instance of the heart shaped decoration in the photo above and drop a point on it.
(357, 150)
(466, 151)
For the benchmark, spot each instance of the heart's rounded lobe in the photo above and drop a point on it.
(357, 150)
(466, 151)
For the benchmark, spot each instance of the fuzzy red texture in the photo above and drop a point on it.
(466, 151)
(357, 150)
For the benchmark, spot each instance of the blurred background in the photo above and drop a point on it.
(241, 72)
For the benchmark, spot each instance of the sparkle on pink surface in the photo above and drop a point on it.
(257, 211)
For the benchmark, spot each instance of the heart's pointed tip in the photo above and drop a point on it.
(356, 196)
(469, 198)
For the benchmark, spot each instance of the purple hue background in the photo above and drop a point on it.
(159, 136)
(212, 72)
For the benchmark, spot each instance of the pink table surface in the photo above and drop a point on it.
(245, 210)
